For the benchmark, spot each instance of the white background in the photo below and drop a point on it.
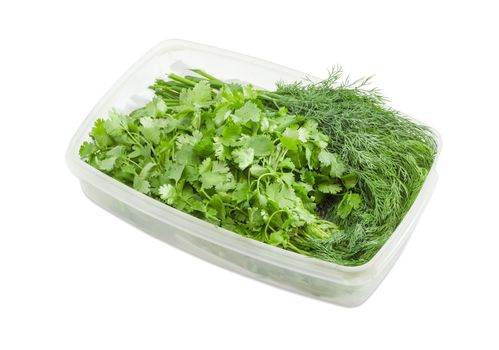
(74, 277)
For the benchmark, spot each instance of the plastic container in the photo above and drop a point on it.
(347, 286)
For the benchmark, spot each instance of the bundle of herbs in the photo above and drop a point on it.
(324, 169)
(390, 154)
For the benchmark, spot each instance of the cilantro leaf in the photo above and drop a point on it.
(303, 134)
(328, 159)
(150, 130)
(115, 124)
(257, 170)
(213, 173)
(174, 171)
(279, 238)
(231, 134)
(290, 139)
(107, 164)
(155, 108)
(167, 193)
(244, 157)
(189, 139)
(248, 112)
(283, 195)
(197, 95)
(116, 151)
(222, 114)
(204, 147)
(329, 188)
(87, 149)
(261, 145)
(100, 135)
(217, 203)
(349, 181)
(186, 155)
(141, 184)
(349, 202)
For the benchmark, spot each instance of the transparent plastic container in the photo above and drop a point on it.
(343, 285)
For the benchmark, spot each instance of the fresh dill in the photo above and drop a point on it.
(390, 153)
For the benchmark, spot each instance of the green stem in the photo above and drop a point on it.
(298, 250)
(193, 78)
(155, 156)
(131, 161)
(206, 194)
(270, 219)
(214, 84)
(172, 95)
(260, 177)
(206, 75)
(178, 78)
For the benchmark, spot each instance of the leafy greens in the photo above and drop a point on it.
(323, 169)
(220, 154)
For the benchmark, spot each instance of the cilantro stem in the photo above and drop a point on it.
(293, 247)
(133, 138)
(166, 94)
(153, 151)
(178, 78)
(206, 194)
(270, 219)
(267, 96)
(134, 163)
(262, 176)
(173, 89)
(214, 83)
(235, 207)
(206, 75)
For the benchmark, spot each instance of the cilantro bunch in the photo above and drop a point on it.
(221, 153)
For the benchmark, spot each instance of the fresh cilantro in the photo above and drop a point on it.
(218, 152)
(261, 145)
(249, 112)
(199, 94)
(231, 134)
(167, 193)
(327, 159)
(290, 139)
(330, 188)
(244, 157)
(107, 164)
(349, 181)
(141, 184)
(349, 202)
(99, 134)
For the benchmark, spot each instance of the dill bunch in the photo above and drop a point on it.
(390, 154)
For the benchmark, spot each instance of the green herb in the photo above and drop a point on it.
(217, 152)
(390, 154)
(324, 169)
